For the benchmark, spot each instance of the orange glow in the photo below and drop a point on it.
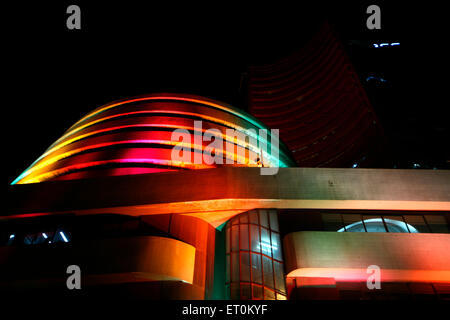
(56, 173)
(387, 275)
(41, 164)
(45, 176)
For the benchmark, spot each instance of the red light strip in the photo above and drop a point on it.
(48, 175)
(58, 146)
(228, 155)
(75, 134)
(58, 157)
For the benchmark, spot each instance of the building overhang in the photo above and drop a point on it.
(351, 256)
(103, 261)
(215, 195)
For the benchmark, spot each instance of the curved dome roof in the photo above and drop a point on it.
(134, 136)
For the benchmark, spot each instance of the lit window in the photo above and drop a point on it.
(41, 238)
(28, 239)
(254, 265)
(11, 239)
(377, 225)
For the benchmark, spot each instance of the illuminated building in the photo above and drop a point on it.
(106, 197)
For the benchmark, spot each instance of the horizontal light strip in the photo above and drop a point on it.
(397, 223)
(57, 147)
(171, 97)
(169, 163)
(376, 45)
(234, 156)
(53, 159)
(63, 236)
(221, 107)
(162, 97)
(223, 122)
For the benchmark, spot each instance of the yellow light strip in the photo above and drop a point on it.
(49, 161)
(227, 155)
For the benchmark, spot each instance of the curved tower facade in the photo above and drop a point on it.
(316, 99)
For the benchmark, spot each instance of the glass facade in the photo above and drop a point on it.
(430, 223)
(254, 260)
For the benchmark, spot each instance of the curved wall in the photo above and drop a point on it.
(134, 136)
(345, 256)
(102, 261)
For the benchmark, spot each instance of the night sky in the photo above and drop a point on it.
(53, 76)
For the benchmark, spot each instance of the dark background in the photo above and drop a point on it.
(52, 76)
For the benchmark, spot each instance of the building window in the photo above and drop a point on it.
(385, 223)
(254, 260)
(47, 237)
(379, 225)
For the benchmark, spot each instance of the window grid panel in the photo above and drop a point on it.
(243, 237)
(402, 225)
(385, 224)
(276, 245)
(255, 238)
(406, 223)
(256, 273)
(235, 238)
(279, 277)
(409, 223)
(268, 272)
(257, 292)
(235, 267)
(418, 222)
(271, 251)
(243, 218)
(245, 267)
(246, 291)
(350, 219)
(234, 288)
(374, 226)
(273, 220)
(242, 234)
(250, 257)
(362, 220)
(263, 221)
(253, 217)
(260, 256)
(265, 244)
